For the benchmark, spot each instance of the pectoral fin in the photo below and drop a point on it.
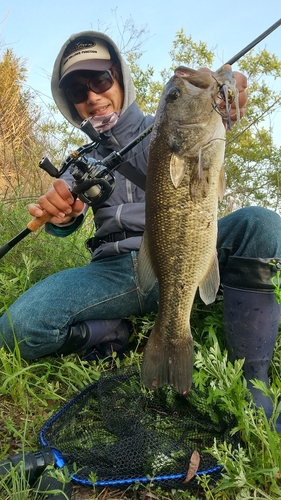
(209, 286)
(177, 169)
(146, 274)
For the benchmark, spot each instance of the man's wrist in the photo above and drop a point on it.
(66, 223)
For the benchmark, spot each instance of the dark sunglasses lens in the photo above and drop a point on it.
(77, 93)
(101, 82)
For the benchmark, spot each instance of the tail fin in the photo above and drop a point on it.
(167, 363)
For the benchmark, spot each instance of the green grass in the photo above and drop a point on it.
(31, 392)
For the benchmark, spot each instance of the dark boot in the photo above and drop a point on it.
(251, 319)
(97, 338)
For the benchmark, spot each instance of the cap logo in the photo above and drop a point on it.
(83, 51)
(74, 47)
(77, 54)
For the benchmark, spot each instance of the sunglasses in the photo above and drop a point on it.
(99, 83)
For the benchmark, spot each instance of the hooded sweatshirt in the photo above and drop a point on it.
(124, 210)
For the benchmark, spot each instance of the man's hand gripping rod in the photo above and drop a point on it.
(93, 180)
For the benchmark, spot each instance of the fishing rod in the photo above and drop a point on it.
(93, 179)
(96, 177)
(244, 51)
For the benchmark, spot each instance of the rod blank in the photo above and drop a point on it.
(244, 51)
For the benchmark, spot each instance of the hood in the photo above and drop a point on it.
(64, 105)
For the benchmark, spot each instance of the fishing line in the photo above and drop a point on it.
(125, 436)
(253, 122)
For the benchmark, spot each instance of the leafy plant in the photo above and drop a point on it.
(32, 392)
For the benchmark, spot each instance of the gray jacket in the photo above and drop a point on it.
(124, 210)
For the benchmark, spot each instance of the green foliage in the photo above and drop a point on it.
(184, 52)
(188, 53)
(148, 91)
(62, 137)
(276, 282)
(38, 254)
(261, 63)
(31, 392)
(252, 159)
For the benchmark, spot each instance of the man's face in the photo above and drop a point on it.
(97, 104)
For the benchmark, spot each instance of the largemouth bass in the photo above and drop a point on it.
(185, 178)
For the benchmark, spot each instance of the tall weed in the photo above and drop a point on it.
(31, 392)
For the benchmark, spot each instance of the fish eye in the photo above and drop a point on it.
(174, 93)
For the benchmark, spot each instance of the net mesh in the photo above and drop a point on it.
(123, 433)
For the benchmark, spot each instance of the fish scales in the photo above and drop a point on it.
(184, 179)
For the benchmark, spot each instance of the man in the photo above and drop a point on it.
(83, 309)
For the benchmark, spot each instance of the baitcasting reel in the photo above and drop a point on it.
(93, 182)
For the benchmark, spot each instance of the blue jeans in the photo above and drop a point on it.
(108, 288)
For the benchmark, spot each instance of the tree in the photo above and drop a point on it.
(18, 116)
(252, 159)
(253, 162)
(184, 51)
